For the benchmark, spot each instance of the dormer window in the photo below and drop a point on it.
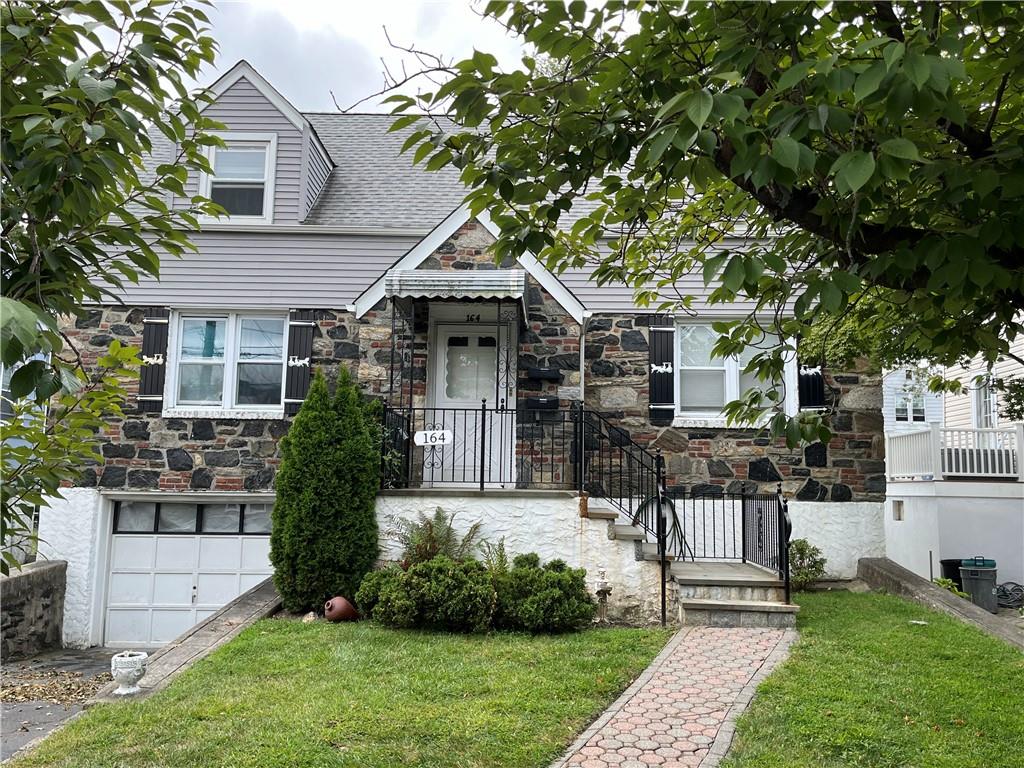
(243, 176)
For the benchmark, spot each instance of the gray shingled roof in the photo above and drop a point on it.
(373, 185)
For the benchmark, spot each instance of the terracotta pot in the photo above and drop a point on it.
(340, 609)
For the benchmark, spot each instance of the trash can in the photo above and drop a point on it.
(951, 571)
(979, 579)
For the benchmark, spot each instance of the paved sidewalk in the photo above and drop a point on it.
(681, 711)
(42, 692)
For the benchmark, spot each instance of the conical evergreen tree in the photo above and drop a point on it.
(324, 537)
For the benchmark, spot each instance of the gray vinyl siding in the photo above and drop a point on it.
(618, 298)
(243, 108)
(270, 270)
(318, 168)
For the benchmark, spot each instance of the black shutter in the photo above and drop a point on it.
(299, 370)
(812, 390)
(661, 369)
(154, 359)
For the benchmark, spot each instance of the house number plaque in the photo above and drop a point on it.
(434, 437)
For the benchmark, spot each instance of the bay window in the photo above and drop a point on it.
(228, 360)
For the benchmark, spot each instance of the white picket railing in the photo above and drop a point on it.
(939, 452)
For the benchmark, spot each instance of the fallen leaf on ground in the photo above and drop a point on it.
(54, 686)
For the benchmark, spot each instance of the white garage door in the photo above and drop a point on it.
(173, 565)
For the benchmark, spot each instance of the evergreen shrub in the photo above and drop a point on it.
(324, 536)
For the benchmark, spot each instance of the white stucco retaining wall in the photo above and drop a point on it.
(548, 524)
(844, 532)
(73, 529)
(951, 519)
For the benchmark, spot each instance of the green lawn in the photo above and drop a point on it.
(865, 687)
(291, 694)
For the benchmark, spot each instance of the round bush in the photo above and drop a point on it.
(553, 598)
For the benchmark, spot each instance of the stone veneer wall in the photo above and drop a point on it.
(32, 609)
(850, 468)
(145, 451)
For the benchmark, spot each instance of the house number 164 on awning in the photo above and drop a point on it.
(433, 437)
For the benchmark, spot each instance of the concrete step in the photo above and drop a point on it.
(736, 613)
(731, 592)
(625, 532)
(652, 557)
(601, 513)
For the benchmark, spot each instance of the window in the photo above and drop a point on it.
(705, 383)
(242, 181)
(190, 519)
(910, 406)
(985, 405)
(230, 360)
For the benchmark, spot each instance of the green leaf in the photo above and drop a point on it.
(786, 152)
(794, 75)
(869, 80)
(853, 170)
(916, 68)
(97, 91)
(903, 148)
(734, 274)
(699, 107)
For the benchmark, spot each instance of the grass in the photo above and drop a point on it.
(291, 694)
(865, 687)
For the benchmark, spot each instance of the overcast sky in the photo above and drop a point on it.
(308, 48)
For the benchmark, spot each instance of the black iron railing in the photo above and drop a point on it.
(579, 449)
(481, 448)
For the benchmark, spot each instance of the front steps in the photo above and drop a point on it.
(717, 594)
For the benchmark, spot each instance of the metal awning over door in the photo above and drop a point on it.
(494, 284)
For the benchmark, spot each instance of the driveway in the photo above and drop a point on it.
(40, 693)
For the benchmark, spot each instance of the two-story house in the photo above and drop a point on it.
(511, 393)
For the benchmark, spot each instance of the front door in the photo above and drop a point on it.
(467, 361)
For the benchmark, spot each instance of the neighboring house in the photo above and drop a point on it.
(978, 407)
(907, 405)
(511, 392)
(956, 489)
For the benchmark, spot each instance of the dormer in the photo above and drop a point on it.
(273, 167)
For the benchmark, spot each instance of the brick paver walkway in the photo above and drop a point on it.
(681, 710)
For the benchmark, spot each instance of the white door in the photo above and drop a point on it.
(173, 565)
(466, 371)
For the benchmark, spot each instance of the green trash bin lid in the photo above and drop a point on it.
(977, 562)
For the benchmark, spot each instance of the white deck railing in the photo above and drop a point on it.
(939, 452)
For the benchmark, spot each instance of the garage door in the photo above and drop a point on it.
(173, 565)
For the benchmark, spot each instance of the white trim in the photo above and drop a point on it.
(372, 296)
(243, 69)
(226, 409)
(731, 368)
(269, 174)
(975, 397)
(415, 256)
(542, 275)
(218, 225)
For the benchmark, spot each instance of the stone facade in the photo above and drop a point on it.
(145, 451)
(32, 609)
(850, 468)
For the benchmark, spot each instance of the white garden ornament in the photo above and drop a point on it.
(127, 669)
